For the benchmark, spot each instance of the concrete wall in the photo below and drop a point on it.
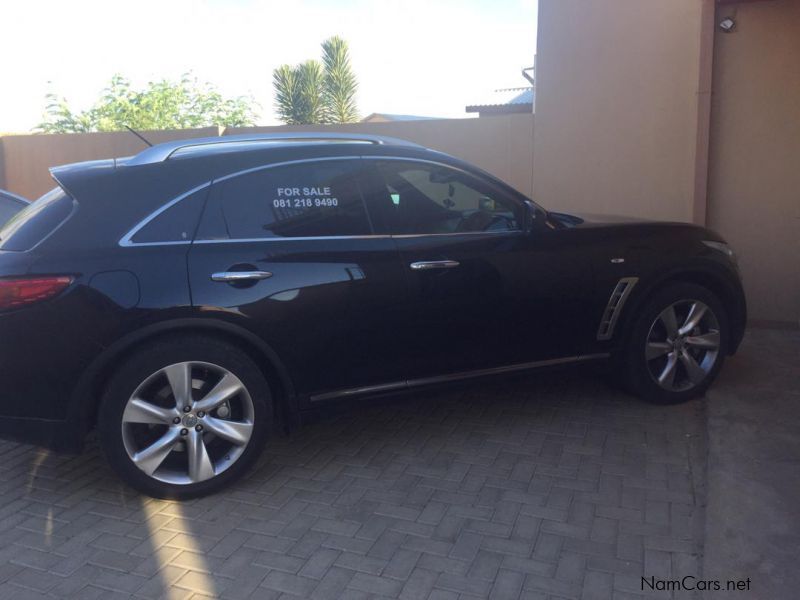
(617, 106)
(502, 146)
(754, 177)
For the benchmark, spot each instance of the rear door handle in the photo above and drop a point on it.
(427, 265)
(238, 276)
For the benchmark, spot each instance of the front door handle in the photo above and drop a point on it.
(427, 265)
(240, 276)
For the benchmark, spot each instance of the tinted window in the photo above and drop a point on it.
(9, 207)
(423, 198)
(175, 224)
(35, 222)
(302, 200)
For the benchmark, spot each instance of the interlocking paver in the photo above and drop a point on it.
(551, 486)
(291, 584)
(507, 586)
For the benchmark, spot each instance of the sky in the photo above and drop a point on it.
(423, 57)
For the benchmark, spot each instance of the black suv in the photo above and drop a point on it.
(185, 300)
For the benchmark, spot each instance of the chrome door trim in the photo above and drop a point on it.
(235, 276)
(377, 236)
(367, 389)
(457, 233)
(428, 265)
(423, 381)
(299, 239)
(505, 369)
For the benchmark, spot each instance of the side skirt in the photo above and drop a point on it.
(452, 377)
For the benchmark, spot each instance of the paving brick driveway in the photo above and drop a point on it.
(545, 487)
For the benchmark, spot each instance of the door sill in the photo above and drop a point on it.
(452, 377)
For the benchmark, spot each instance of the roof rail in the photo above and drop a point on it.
(162, 152)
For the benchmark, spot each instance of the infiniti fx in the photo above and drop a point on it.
(184, 301)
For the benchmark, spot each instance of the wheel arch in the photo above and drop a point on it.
(82, 413)
(715, 280)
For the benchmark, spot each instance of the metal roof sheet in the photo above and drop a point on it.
(506, 97)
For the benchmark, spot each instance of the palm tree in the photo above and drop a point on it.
(340, 82)
(287, 94)
(314, 92)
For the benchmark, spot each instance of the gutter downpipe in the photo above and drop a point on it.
(703, 126)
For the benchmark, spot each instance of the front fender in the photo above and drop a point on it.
(710, 273)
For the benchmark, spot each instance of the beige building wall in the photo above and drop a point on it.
(754, 176)
(617, 87)
(646, 108)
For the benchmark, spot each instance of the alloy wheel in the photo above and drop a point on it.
(187, 422)
(682, 345)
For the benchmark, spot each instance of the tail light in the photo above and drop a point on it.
(15, 293)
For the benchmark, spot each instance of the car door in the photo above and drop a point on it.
(486, 287)
(288, 251)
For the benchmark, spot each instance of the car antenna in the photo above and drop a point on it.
(138, 135)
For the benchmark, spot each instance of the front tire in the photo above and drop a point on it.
(184, 418)
(677, 344)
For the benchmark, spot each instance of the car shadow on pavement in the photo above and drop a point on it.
(552, 484)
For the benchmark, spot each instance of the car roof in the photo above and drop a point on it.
(165, 170)
(210, 146)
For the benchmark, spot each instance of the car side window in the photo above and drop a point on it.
(420, 198)
(176, 223)
(317, 199)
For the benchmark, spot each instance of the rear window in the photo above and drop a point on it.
(37, 221)
(9, 207)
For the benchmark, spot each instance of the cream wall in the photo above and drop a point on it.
(645, 108)
(617, 87)
(754, 176)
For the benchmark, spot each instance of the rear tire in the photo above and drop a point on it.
(677, 344)
(185, 417)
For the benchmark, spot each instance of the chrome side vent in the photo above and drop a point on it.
(614, 307)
